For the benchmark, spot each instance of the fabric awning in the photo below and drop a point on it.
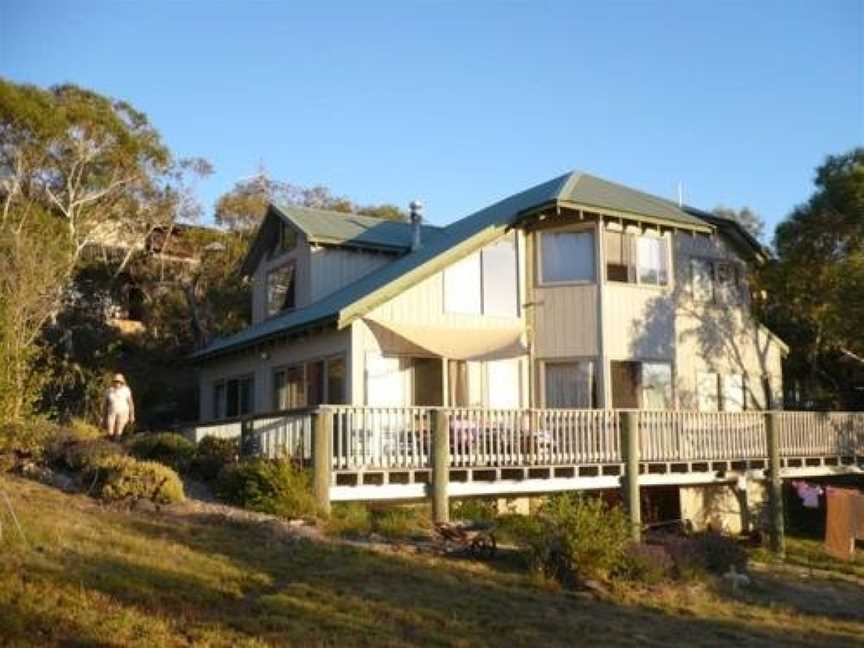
(454, 343)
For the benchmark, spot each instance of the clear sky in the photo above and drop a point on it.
(463, 103)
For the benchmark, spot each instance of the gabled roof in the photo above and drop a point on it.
(458, 239)
(325, 227)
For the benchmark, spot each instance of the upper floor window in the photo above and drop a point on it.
(639, 259)
(566, 257)
(281, 288)
(485, 282)
(715, 280)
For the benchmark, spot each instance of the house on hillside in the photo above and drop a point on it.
(576, 293)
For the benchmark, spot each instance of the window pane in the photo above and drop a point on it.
(733, 393)
(620, 257)
(232, 398)
(385, 385)
(702, 279)
(462, 286)
(219, 400)
(336, 381)
(315, 383)
(653, 266)
(288, 388)
(428, 381)
(280, 289)
(656, 385)
(567, 256)
(503, 383)
(500, 289)
(626, 378)
(707, 396)
(570, 385)
(246, 396)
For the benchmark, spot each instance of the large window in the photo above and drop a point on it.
(288, 391)
(462, 292)
(487, 282)
(734, 394)
(281, 288)
(707, 391)
(336, 383)
(632, 258)
(566, 257)
(643, 385)
(570, 384)
(712, 280)
(503, 383)
(500, 279)
(233, 397)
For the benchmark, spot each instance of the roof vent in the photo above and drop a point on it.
(416, 221)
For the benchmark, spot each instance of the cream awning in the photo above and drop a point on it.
(454, 343)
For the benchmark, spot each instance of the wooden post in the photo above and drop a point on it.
(776, 529)
(322, 457)
(630, 448)
(441, 466)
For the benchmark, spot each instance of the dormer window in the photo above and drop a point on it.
(287, 238)
(281, 288)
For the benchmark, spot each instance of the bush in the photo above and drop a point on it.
(697, 555)
(212, 455)
(277, 487)
(573, 536)
(26, 442)
(167, 448)
(81, 455)
(120, 478)
(648, 564)
(80, 430)
(474, 510)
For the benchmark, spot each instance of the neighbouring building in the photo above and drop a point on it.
(576, 293)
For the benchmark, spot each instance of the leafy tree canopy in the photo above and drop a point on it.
(746, 217)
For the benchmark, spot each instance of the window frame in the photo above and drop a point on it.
(481, 310)
(595, 386)
(285, 368)
(665, 238)
(289, 263)
(223, 383)
(720, 290)
(540, 255)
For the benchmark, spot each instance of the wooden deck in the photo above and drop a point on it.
(386, 453)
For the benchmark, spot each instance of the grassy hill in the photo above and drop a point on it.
(91, 576)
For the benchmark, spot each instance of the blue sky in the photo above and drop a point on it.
(463, 103)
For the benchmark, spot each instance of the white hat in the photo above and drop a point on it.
(118, 377)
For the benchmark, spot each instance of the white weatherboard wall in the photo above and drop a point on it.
(312, 347)
(333, 268)
(720, 337)
(423, 305)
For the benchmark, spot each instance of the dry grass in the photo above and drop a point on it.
(92, 576)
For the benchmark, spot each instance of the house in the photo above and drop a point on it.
(575, 293)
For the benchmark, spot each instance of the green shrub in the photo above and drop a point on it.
(647, 564)
(120, 478)
(212, 455)
(710, 552)
(573, 536)
(81, 455)
(474, 510)
(23, 442)
(81, 430)
(167, 448)
(277, 487)
(349, 520)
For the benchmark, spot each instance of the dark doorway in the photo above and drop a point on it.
(428, 379)
(625, 385)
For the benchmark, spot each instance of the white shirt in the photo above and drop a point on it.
(119, 399)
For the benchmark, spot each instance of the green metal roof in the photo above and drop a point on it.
(359, 230)
(446, 245)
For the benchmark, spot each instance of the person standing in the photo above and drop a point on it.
(119, 406)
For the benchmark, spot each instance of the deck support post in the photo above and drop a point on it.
(322, 458)
(630, 447)
(441, 466)
(776, 531)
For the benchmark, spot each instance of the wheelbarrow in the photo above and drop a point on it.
(477, 539)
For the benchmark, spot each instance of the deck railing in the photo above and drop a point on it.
(388, 438)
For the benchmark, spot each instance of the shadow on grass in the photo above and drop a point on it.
(334, 593)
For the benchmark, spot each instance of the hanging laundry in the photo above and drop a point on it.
(809, 493)
(840, 524)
